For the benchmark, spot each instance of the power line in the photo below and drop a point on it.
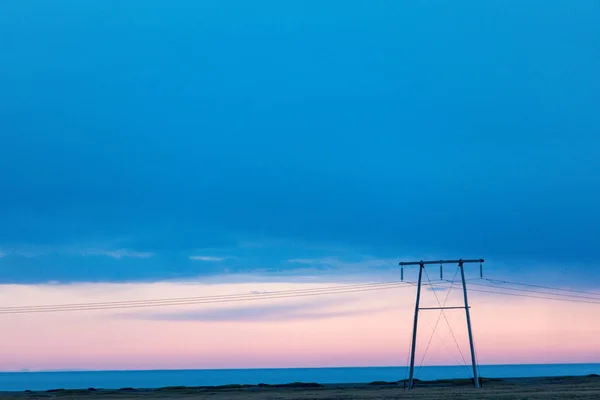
(536, 297)
(446, 318)
(177, 299)
(442, 313)
(525, 295)
(437, 321)
(496, 281)
(566, 296)
(330, 290)
(538, 291)
(203, 300)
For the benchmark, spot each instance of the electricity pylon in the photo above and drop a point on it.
(421, 265)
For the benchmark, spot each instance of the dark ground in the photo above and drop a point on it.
(581, 388)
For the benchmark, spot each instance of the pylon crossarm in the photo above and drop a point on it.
(478, 260)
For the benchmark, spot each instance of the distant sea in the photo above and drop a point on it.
(20, 381)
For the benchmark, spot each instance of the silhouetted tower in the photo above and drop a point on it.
(422, 265)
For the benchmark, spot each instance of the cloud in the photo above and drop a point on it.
(118, 254)
(31, 251)
(206, 258)
(335, 263)
(264, 313)
(435, 289)
(309, 261)
(28, 251)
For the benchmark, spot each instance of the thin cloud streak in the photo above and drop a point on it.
(32, 251)
(339, 264)
(206, 258)
(261, 313)
(118, 254)
(436, 289)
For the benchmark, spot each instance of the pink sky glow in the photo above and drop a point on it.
(358, 329)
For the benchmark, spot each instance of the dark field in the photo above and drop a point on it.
(583, 388)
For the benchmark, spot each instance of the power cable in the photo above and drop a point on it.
(446, 317)
(178, 299)
(442, 313)
(285, 294)
(500, 282)
(202, 300)
(501, 286)
(536, 291)
(434, 326)
(530, 296)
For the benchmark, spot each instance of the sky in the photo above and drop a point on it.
(152, 148)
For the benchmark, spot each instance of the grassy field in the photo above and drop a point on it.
(581, 388)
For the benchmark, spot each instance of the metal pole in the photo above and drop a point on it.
(414, 336)
(473, 362)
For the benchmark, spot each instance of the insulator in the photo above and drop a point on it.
(402, 274)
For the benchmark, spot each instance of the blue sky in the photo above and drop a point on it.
(137, 135)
